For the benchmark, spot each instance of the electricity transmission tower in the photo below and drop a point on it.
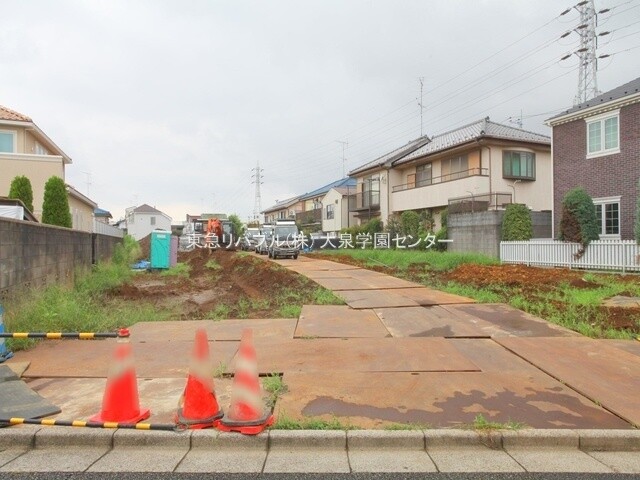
(257, 180)
(587, 74)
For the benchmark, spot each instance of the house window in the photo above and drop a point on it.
(603, 135)
(423, 175)
(153, 220)
(520, 165)
(7, 142)
(40, 150)
(330, 212)
(282, 214)
(454, 168)
(608, 215)
(411, 180)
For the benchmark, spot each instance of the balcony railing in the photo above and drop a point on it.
(441, 179)
(365, 201)
(479, 203)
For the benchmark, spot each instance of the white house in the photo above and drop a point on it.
(143, 220)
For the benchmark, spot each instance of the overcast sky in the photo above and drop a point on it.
(172, 103)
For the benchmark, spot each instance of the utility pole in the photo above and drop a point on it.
(344, 160)
(420, 104)
(257, 180)
(588, 67)
(88, 174)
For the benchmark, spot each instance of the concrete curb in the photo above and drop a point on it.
(26, 436)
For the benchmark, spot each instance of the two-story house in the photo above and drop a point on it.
(143, 220)
(283, 210)
(317, 209)
(485, 160)
(596, 145)
(27, 150)
(82, 210)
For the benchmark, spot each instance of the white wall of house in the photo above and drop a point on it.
(139, 225)
(341, 217)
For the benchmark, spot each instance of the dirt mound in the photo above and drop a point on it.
(517, 275)
(219, 283)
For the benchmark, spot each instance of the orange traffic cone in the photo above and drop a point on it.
(247, 413)
(120, 402)
(198, 407)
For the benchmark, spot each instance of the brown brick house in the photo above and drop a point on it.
(596, 145)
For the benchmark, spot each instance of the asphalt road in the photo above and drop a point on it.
(328, 476)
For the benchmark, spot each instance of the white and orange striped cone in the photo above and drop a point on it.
(120, 403)
(247, 413)
(198, 406)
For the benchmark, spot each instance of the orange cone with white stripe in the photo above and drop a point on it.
(198, 407)
(120, 403)
(247, 413)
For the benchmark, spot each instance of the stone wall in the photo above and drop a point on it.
(481, 232)
(35, 255)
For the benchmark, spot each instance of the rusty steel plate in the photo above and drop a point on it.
(338, 284)
(322, 265)
(380, 280)
(631, 346)
(510, 321)
(222, 330)
(431, 322)
(92, 358)
(603, 373)
(371, 400)
(338, 321)
(375, 299)
(428, 296)
(360, 355)
(317, 274)
(80, 398)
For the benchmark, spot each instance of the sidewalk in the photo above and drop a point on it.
(47, 449)
(398, 353)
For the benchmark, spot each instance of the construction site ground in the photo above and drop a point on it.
(395, 353)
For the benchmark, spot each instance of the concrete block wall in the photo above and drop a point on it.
(481, 232)
(35, 255)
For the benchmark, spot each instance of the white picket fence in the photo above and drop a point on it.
(105, 229)
(621, 255)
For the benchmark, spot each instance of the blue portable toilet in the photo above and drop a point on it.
(160, 249)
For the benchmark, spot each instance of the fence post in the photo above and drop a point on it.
(624, 258)
(529, 253)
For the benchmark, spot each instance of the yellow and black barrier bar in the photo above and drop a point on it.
(122, 333)
(82, 423)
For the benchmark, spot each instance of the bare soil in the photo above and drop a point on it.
(218, 277)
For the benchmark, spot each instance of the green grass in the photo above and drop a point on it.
(481, 423)
(213, 265)
(406, 426)
(220, 312)
(84, 307)
(179, 270)
(479, 294)
(275, 386)
(402, 259)
(220, 370)
(283, 422)
(290, 311)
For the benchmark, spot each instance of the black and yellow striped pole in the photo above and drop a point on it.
(121, 333)
(49, 422)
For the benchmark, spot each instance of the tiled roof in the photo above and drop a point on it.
(99, 212)
(343, 182)
(144, 208)
(8, 114)
(625, 90)
(281, 204)
(476, 130)
(392, 155)
(345, 190)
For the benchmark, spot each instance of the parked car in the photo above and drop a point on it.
(249, 242)
(285, 240)
(264, 239)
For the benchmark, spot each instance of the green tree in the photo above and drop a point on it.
(21, 189)
(442, 233)
(579, 223)
(410, 223)
(55, 208)
(516, 224)
(238, 228)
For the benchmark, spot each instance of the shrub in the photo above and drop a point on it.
(238, 228)
(55, 208)
(579, 223)
(516, 224)
(410, 222)
(442, 233)
(127, 252)
(21, 189)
